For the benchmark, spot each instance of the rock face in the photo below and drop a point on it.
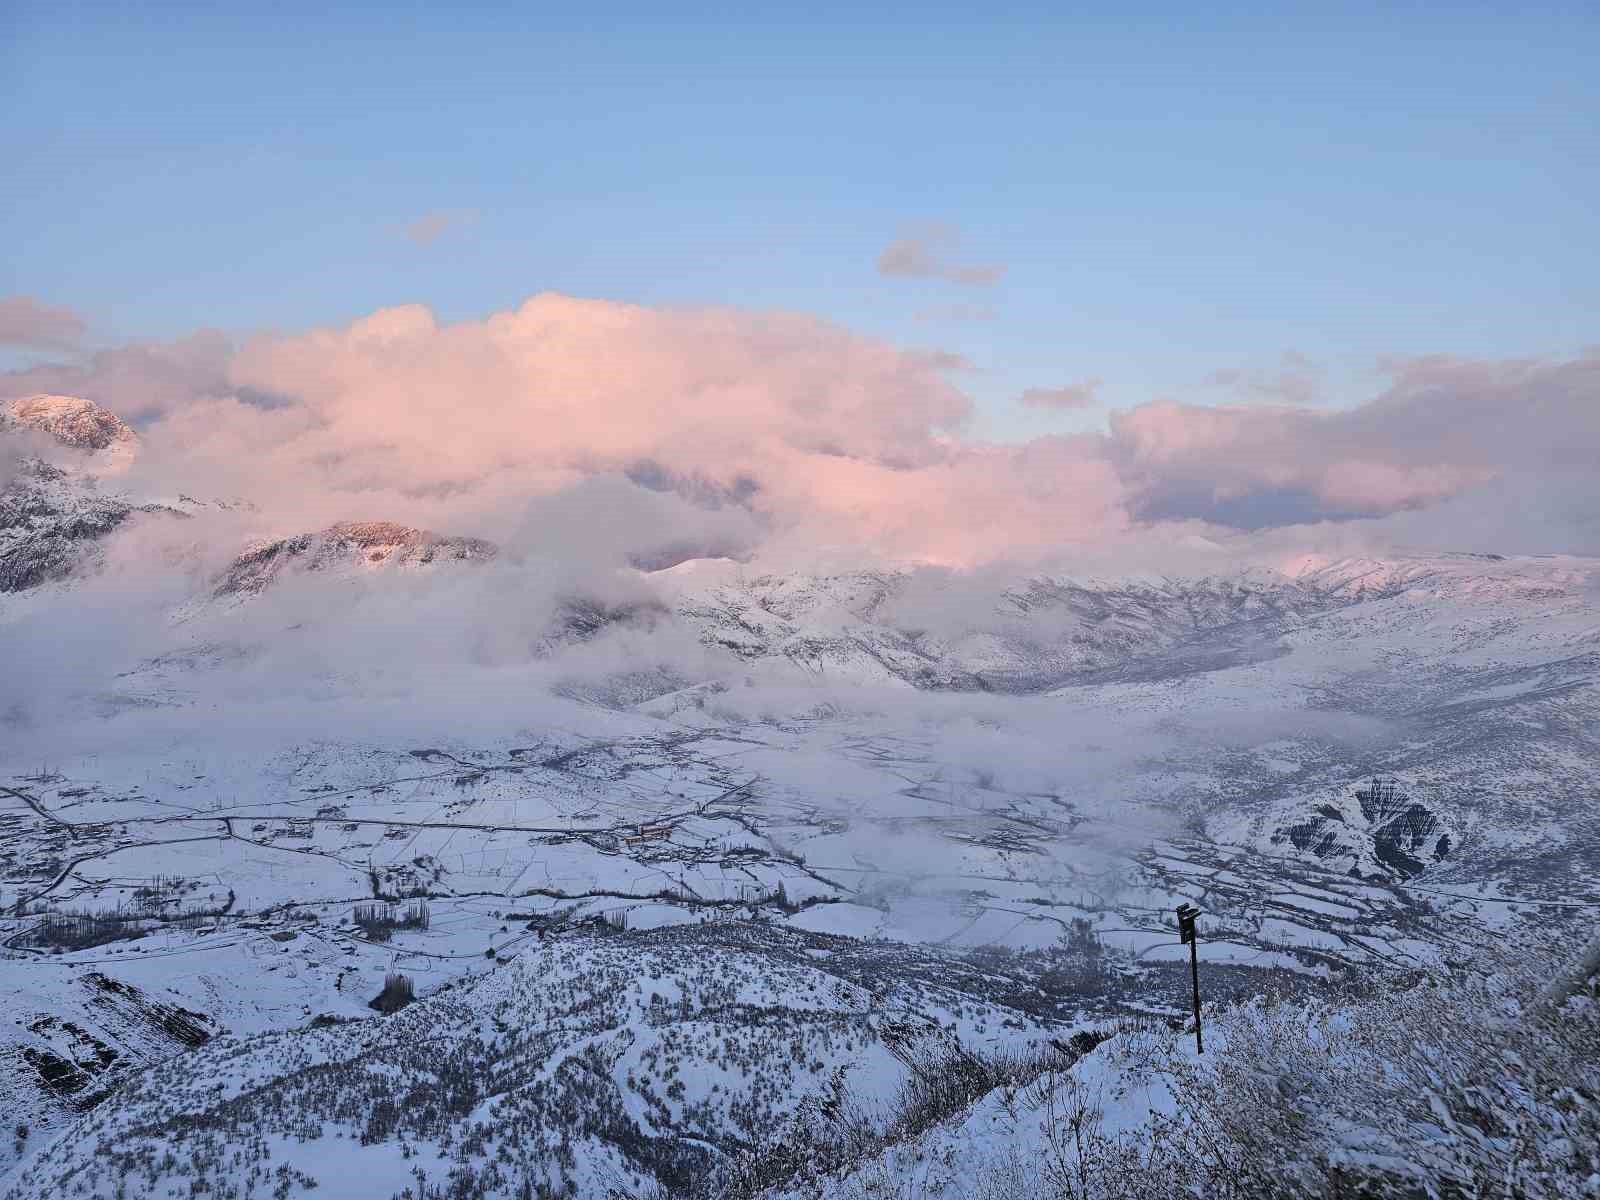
(1404, 833)
(371, 546)
(51, 515)
(350, 544)
(1389, 832)
(49, 520)
(72, 421)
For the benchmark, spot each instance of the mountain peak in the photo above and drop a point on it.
(345, 545)
(77, 422)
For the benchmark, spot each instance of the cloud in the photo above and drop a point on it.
(1251, 468)
(138, 382)
(584, 436)
(1524, 513)
(25, 321)
(819, 436)
(715, 431)
(1443, 427)
(1297, 380)
(430, 227)
(921, 255)
(1073, 395)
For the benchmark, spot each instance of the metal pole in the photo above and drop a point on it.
(1188, 933)
(1194, 974)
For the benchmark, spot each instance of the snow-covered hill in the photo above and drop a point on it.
(592, 1062)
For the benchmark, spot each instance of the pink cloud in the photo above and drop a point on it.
(1072, 395)
(25, 321)
(819, 433)
(137, 381)
(725, 428)
(824, 437)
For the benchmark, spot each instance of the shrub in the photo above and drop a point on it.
(398, 991)
(1472, 1081)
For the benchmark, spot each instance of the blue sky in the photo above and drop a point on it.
(1170, 196)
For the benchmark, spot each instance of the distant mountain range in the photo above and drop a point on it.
(1463, 651)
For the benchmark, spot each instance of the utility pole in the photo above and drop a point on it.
(1186, 915)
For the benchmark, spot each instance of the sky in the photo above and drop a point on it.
(922, 280)
(1175, 204)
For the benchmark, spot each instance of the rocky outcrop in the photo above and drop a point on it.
(49, 520)
(52, 514)
(350, 544)
(1388, 833)
(71, 420)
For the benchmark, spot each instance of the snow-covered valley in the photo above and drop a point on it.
(667, 855)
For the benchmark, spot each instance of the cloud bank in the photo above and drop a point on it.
(582, 436)
(650, 434)
(1443, 428)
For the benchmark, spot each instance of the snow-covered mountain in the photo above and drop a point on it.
(49, 522)
(72, 421)
(53, 513)
(364, 545)
(1032, 633)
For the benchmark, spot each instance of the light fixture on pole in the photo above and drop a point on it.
(1186, 932)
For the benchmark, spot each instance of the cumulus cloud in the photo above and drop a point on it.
(1072, 395)
(1250, 468)
(649, 435)
(29, 323)
(138, 382)
(922, 254)
(1443, 427)
(816, 436)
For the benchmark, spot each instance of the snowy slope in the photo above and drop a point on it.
(592, 1061)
